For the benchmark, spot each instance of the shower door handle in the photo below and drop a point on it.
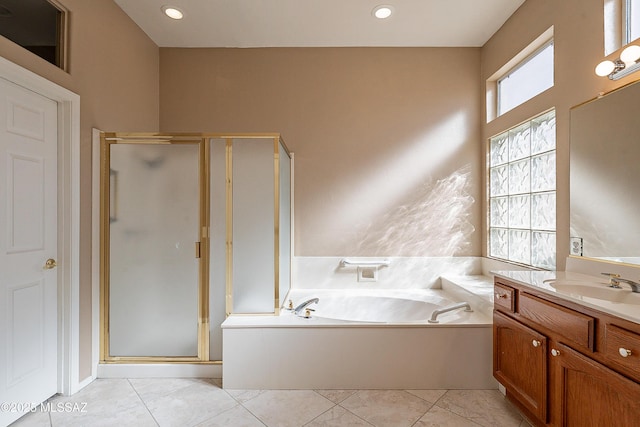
(197, 249)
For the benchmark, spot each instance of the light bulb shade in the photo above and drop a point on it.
(605, 68)
(630, 54)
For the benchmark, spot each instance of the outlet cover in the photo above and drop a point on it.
(576, 246)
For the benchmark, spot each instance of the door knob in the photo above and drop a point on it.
(50, 264)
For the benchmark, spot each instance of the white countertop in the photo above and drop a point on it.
(543, 282)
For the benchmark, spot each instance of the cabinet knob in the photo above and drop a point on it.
(499, 295)
(624, 352)
(555, 352)
(535, 343)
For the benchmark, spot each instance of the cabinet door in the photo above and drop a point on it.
(519, 363)
(587, 393)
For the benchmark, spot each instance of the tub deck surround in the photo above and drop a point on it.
(292, 352)
(540, 281)
(477, 289)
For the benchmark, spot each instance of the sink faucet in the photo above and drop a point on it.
(304, 305)
(615, 280)
(615, 283)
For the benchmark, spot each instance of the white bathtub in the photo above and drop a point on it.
(361, 339)
(384, 306)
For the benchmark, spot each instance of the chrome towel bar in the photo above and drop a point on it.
(381, 263)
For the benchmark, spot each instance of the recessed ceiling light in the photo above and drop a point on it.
(383, 11)
(172, 12)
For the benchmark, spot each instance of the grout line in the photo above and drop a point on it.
(238, 404)
(337, 404)
(356, 415)
(319, 415)
(143, 402)
(254, 415)
(431, 405)
(324, 412)
(241, 404)
(342, 400)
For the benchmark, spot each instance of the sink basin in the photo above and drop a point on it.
(598, 291)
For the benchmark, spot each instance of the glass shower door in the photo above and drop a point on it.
(154, 223)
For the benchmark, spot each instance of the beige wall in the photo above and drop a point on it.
(579, 47)
(113, 66)
(385, 139)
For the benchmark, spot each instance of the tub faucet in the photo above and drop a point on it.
(304, 305)
(615, 280)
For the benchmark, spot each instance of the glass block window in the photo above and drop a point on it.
(529, 78)
(522, 193)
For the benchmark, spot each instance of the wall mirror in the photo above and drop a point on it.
(605, 177)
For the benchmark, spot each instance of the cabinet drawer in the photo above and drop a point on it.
(504, 297)
(570, 324)
(623, 348)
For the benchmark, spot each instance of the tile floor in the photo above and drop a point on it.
(202, 402)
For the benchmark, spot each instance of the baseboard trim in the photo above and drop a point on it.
(159, 370)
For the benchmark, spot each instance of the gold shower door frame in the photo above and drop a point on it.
(277, 141)
(202, 247)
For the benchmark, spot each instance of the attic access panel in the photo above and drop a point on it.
(38, 26)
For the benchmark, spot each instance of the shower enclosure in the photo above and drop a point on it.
(194, 227)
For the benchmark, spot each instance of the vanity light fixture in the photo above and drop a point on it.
(172, 12)
(382, 12)
(627, 64)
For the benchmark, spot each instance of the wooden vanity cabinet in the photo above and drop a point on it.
(520, 363)
(586, 393)
(564, 364)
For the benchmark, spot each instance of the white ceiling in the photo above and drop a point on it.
(320, 23)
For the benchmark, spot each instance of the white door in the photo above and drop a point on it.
(28, 238)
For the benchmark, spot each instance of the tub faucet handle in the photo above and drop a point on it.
(290, 305)
(305, 305)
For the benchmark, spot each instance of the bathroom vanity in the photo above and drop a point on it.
(567, 348)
